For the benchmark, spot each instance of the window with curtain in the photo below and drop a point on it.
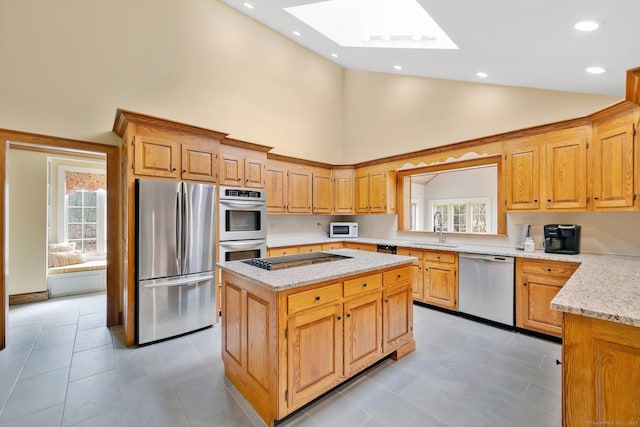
(84, 210)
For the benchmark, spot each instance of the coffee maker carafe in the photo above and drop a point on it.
(562, 239)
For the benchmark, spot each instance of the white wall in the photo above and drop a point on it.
(27, 179)
(69, 64)
(387, 114)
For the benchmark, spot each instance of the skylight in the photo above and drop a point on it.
(374, 23)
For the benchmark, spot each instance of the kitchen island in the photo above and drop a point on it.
(290, 335)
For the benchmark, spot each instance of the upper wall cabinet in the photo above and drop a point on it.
(289, 188)
(375, 191)
(322, 191)
(615, 163)
(547, 171)
(343, 191)
(242, 167)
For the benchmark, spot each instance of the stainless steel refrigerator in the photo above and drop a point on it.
(176, 253)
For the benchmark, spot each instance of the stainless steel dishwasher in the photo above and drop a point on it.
(486, 287)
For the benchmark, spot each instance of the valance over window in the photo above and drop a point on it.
(84, 181)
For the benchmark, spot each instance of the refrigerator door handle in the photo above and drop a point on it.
(188, 281)
(186, 228)
(179, 230)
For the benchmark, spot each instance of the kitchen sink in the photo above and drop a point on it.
(443, 245)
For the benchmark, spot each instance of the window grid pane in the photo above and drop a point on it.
(81, 220)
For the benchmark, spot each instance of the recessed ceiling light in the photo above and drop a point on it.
(248, 5)
(335, 55)
(588, 25)
(397, 67)
(596, 70)
(482, 75)
(297, 33)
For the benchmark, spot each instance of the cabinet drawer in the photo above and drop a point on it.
(554, 268)
(330, 246)
(310, 248)
(396, 276)
(362, 284)
(411, 252)
(314, 297)
(440, 257)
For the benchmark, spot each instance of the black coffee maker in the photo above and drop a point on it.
(562, 239)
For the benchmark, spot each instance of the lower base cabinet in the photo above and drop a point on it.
(600, 373)
(283, 349)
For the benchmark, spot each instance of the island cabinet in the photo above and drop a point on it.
(441, 279)
(242, 167)
(548, 171)
(537, 283)
(616, 180)
(282, 349)
(600, 372)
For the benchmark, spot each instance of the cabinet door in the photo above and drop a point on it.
(523, 176)
(322, 193)
(362, 193)
(441, 285)
(199, 163)
(254, 172)
(613, 166)
(286, 250)
(534, 299)
(378, 192)
(276, 177)
(418, 277)
(231, 168)
(300, 190)
(397, 316)
(156, 157)
(566, 173)
(362, 332)
(343, 191)
(601, 373)
(315, 347)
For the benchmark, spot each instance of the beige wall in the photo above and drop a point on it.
(68, 65)
(27, 176)
(387, 114)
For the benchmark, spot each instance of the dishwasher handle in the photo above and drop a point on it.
(488, 258)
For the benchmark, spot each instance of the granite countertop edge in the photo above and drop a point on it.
(604, 286)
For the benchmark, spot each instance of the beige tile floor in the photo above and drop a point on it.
(63, 367)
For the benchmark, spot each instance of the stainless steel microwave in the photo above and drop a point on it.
(343, 229)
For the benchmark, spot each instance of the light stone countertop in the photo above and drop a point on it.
(288, 278)
(604, 286)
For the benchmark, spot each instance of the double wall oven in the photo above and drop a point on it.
(243, 227)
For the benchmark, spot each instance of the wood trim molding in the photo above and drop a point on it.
(124, 117)
(37, 149)
(312, 163)
(245, 144)
(633, 85)
(28, 297)
(613, 110)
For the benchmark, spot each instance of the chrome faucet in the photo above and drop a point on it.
(441, 238)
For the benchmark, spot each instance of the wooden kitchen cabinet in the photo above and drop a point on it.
(615, 163)
(332, 245)
(199, 162)
(315, 349)
(523, 175)
(375, 191)
(360, 246)
(322, 191)
(397, 314)
(277, 196)
(168, 159)
(418, 276)
(284, 250)
(537, 283)
(547, 172)
(299, 182)
(240, 167)
(566, 169)
(441, 279)
(362, 331)
(600, 372)
(343, 191)
(289, 188)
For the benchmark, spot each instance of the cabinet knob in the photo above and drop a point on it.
(239, 179)
(184, 171)
(535, 200)
(174, 169)
(386, 301)
(348, 315)
(364, 285)
(318, 298)
(558, 362)
(548, 200)
(524, 284)
(247, 180)
(399, 276)
(549, 270)
(596, 198)
(339, 317)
